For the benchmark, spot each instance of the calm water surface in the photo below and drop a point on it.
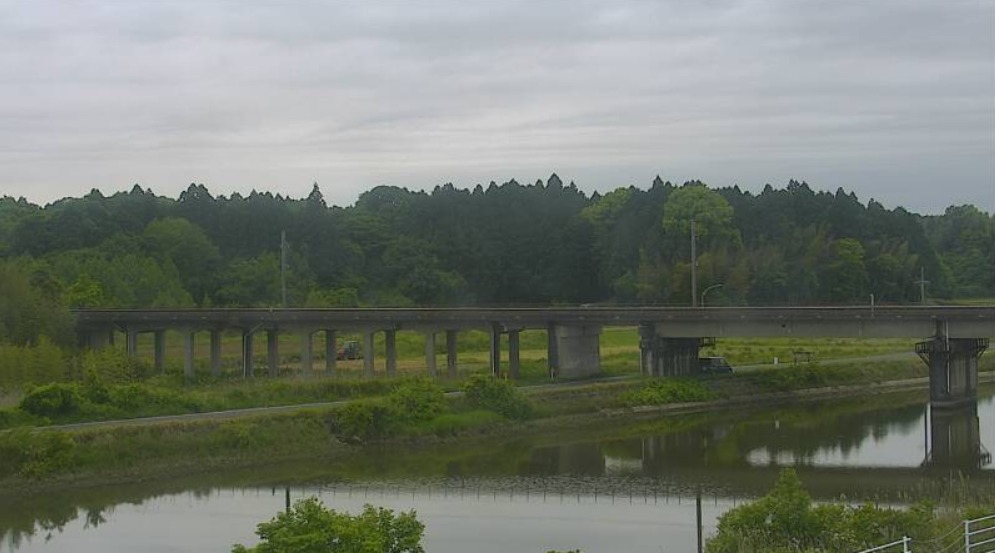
(619, 487)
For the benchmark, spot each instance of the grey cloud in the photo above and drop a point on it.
(875, 96)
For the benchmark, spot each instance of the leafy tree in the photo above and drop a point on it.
(309, 527)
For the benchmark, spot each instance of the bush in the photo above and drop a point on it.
(662, 391)
(34, 454)
(418, 400)
(786, 520)
(309, 526)
(52, 400)
(366, 419)
(500, 396)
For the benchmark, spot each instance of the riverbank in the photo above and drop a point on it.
(35, 462)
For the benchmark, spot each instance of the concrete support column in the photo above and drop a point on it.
(216, 352)
(953, 369)
(430, 352)
(579, 350)
(159, 350)
(495, 355)
(451, 353)
(132, 342)
(552, 353)
(307, 353)
(331, 352)
(188, 353)
(101, 338)
(368, 353)
(247, 352)
(390, 347)
(514, 354)
(648, 350)
(273, 352)
(678, 356)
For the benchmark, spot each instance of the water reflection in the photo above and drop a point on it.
(894, 449)
(955, 439)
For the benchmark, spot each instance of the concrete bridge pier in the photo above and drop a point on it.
(953, 369)
(189, 345)
(331, 351)
(307, 352)
(667, 356)
(99, 338)
(495, 353)
(159, 350)
(368, 354)
(215, 352)
(552, 354)
(273, 352)
(430, 352)
(514, 353)
(451, 353)
(247, 352)
(131, 342)
(578, 350)
(390, 351)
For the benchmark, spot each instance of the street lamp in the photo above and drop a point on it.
(707, 290)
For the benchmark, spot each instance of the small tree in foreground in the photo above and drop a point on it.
(309, 527)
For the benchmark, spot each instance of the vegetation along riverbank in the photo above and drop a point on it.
(402, 413)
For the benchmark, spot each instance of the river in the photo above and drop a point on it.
(615, 487)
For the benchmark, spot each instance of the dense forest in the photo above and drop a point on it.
(510, 244)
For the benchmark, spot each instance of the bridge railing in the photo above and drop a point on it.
(892, 547)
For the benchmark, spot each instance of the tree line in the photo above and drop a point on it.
(511, 244)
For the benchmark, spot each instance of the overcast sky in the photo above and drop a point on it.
(892, 99)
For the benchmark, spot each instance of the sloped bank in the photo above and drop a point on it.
(34, 462)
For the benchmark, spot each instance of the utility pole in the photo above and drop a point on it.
(922, 282)
(694, 266)
(283, 268)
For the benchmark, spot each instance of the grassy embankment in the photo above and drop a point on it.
(391, 409)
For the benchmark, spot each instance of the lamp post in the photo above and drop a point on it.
(707, 290)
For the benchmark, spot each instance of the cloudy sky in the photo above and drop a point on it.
(893, 99)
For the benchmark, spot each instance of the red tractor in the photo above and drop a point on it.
(349, 350)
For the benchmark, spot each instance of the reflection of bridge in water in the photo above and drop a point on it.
(709, 458)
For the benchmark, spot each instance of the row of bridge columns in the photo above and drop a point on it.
(577, 346)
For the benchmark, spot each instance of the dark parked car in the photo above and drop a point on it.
(714, 365)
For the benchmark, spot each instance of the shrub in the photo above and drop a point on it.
(366, 419)
(52, 400)
(500, 396)
(418, 400)
(786, 520)
(35, 454)
(662, 391)
(309, 526)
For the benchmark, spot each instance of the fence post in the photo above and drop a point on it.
(905, 544)
(967, 536)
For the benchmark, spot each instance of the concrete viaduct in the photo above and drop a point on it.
(670, 338)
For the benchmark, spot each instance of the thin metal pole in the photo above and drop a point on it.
(697, 504)
(694, 266)
(283, 268)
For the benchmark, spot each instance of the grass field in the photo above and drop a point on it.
(619, 351)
